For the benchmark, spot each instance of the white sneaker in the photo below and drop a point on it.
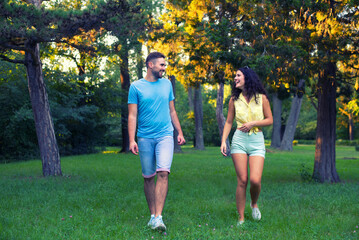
(256, 214)
(150, 223)
(158, 224)
(240, 223)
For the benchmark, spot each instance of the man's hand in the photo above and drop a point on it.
(134, 147)
(180, 139)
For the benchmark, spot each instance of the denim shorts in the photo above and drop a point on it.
(156, 155)
(252, 145)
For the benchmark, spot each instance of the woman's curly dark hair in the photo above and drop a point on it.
(252, 85)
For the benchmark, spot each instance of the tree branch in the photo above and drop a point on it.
(313, 103)
(12, 60)
(352, 66)
(344, 112)
(79, 47)
(9, 46)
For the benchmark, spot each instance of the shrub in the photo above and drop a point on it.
(309, 142)
(347, 142)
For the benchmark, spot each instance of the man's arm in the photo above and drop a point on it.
(132, 121)
(176, 124)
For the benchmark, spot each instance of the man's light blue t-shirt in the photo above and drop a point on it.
(153, 111)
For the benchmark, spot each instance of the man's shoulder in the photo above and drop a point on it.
(164, 81)
(137, 82)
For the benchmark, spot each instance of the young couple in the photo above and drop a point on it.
(150, 104)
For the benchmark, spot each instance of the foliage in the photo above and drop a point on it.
(18, 136)
(24, 24)
(348, 111)
(282, 40)
(20, 20)
(307, 122)
(85, 114)
(101, 196)
(186, 116)
(210, 125)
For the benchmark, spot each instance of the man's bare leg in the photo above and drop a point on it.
(161, 192)
(149, 188)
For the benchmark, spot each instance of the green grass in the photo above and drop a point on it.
(101, 196)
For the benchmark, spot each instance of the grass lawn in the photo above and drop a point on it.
(101, 196)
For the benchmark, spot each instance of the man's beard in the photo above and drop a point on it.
(157, 74)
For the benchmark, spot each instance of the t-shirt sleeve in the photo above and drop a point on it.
(172, 97)
(132, 95)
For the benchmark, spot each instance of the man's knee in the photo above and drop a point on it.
(163, 175)
(149, 180)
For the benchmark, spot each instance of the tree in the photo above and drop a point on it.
(25, 25)
(277, 121)
(288, 137)
(331, 37)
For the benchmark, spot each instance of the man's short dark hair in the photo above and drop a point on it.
(153, 55)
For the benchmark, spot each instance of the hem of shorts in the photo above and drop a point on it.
(256, 154)
(148, 176)
(238, 152)
(163, 170)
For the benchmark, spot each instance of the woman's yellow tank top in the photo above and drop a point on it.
(247, 112)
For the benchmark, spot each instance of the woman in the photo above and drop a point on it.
(250, 105)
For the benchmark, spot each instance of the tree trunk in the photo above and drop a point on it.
(288, 137)
(191, 107)
(324, 163)
(140, 63)
(351, 127)
(198, 117)
(50, 157)
(219, 115)
(125, 86)
(190, 98)
(177, 147)
(277, 121)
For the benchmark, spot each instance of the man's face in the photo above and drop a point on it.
(158, 67)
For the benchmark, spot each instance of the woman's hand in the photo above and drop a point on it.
(246, 127)
(224, 149)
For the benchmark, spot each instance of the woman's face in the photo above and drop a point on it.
(239, 80)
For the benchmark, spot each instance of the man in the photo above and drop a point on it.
(151, 100)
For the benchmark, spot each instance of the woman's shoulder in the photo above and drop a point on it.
(235, 99)
(264, 97)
